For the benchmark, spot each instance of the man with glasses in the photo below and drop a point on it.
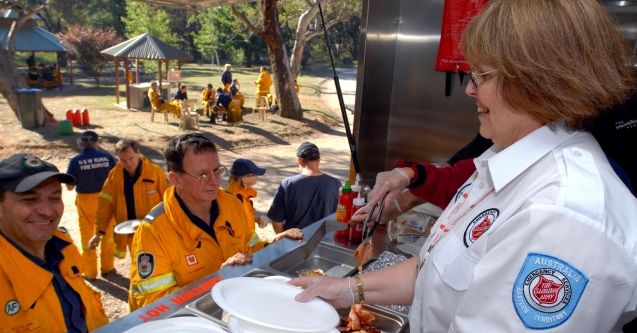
(196, 230)
(132, 188)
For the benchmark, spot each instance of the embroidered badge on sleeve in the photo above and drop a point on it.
(145, 264)
(547, 291)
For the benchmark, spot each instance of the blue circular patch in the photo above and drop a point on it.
(546, 291)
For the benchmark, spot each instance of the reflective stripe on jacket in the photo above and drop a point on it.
(170, 251)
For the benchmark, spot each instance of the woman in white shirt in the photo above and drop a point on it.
(543, 235)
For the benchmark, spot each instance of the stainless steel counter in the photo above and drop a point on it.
(284, 257)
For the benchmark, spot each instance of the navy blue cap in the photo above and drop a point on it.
(23, 172)
(89, 136)
(242, 167)
(308, 151)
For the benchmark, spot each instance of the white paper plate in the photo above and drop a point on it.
(127, 227)
(271, 304)
(239, 326)
(278, 278)
(178, 324)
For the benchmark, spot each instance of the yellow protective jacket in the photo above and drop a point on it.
(148, 191)
(245, 195)
(170, 251)
(264, 82)
(27, 295)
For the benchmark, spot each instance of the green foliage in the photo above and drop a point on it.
(84, 45)
(142, 17)
(219, 32)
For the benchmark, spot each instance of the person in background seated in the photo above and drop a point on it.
(236, 94)
(31, 61)
(41, 285)
(197, 229)
(307, 197)
(157, 101)
(226, 78)
(223, 99)
(208, 99)
(181, 94)
(263, 84)
(243, 176)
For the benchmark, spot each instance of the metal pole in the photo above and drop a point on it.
(339, 93)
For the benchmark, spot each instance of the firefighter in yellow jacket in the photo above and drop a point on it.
(243, 176)
(263, 84)
(132, 188)
(41, 287)
(157, 101)
(196, 230)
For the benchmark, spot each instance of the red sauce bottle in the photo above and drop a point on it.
(356, 231)
(344, 209)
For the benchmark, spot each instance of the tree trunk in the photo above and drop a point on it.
(289, 104)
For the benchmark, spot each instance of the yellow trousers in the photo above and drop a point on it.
(87, 210)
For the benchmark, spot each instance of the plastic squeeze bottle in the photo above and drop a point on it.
(344, 209)
(356, 231)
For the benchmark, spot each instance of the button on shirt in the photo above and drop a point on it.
(550, 211)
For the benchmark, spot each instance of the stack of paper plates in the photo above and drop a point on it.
(267, 305)
(178, 325)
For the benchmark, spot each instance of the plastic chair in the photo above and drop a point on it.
(154, 109)
(188, 116)
(261, 107)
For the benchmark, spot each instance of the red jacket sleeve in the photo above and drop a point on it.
(439, 184)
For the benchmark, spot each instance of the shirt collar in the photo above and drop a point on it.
(504, 165)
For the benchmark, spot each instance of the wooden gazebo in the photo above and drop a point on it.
(144, 46)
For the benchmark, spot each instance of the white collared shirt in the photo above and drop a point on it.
(545, 238)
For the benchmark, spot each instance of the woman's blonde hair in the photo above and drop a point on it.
(555, 59)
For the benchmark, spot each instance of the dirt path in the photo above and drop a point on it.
(271, 144)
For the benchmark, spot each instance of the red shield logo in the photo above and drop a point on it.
(546, 291)
(481, 228)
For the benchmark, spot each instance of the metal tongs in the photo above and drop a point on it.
(368, 232)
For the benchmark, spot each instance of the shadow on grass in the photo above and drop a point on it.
(116, 286)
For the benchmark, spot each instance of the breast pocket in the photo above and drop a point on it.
(456, 263)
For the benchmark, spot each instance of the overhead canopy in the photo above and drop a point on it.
(146, 46)
(195, 3)
(29, 36)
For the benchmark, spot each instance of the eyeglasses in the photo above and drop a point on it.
(477, 79)
(205, 177)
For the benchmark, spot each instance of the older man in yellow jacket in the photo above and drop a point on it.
(197, 229)
(41, 286)
(132, 188)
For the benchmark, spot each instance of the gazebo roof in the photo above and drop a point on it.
(146, 46)
(32, 38)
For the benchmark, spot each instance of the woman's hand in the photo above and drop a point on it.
(390, 183)
(335, 291)
(294, 233)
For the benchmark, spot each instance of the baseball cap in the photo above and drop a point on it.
(23, 172)
(89, 137)
(242, 167)
(308, 151)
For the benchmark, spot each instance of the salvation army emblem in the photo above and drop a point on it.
(462, 193)
(479, 225)
(191, 259)
(546, 291)
(145, 264)
(12, 307)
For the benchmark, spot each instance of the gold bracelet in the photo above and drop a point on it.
(361, 290)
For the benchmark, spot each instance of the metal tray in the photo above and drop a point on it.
(333, 260)
(387, 320)
(206, 307)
